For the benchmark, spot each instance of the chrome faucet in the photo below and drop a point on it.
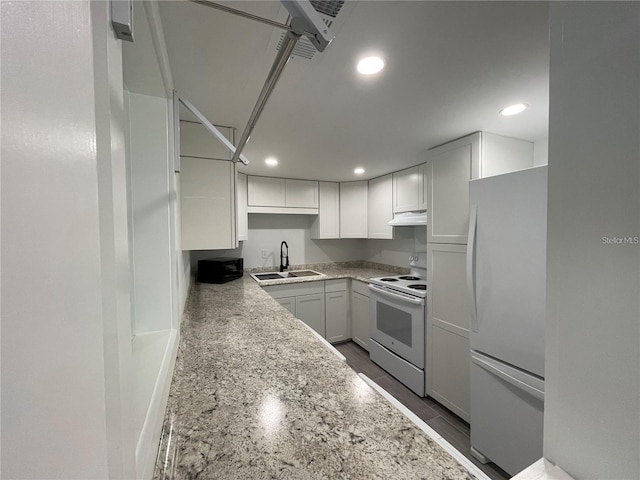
(284, 256)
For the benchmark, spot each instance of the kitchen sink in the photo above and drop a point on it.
(261, 277)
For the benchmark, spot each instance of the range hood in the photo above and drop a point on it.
(409, 219)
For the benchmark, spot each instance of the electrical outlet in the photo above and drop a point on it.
(265, 253)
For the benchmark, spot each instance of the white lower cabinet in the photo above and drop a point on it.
(304, 300)
(360, 313)
(289, 303)
(324, 306)
(310, 309)
(336, 300)
(448, 356)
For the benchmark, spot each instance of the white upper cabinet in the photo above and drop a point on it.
(196, 141)
(407, 189)
(207, 195)
(380, 207)
(422, 189)
(449, 168)
(327, 223)
(353, 209)
(279, 195)
(301, 193)
(207, 190)
(243, 213)
(266, 192)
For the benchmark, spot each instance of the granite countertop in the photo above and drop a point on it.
(255, 395)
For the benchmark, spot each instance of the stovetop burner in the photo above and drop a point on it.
(418, 286)
(388, 279)
(409, 277)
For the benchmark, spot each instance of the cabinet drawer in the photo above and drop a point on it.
(337, 285)
(295, 289)
(360, 287)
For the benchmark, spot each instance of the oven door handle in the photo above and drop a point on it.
(396, 296)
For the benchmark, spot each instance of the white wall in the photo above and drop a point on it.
(592, 400)
(266, 231)
(396, 252)
(541, 152)
(64, 269)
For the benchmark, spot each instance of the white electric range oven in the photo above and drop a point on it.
(397, 307)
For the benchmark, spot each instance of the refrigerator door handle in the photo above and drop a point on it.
(495, 370)
(471, 263)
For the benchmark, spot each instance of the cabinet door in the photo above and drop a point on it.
(448, 357)
(207, 192)
(289, 303)
(353, 209)
(380, 207)
(310, 309)
(422, 177)
(406, 190)
(243, 215)
(265, 192)
(337, 316)
(196, 141)
(301, 193)
(327, 223)
(449, 169)
(360, 319)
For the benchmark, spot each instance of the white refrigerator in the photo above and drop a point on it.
(506, 279)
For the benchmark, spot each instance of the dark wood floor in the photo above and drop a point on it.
(451, 427)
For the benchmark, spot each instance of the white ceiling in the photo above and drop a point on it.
(450, 67)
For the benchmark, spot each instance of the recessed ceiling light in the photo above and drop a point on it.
(513, 109)
(359, 171)
(271, 161)
(370, 65)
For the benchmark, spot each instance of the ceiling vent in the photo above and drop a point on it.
(328, 10)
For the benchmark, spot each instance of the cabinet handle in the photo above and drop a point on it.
(396, 296)
(531, 390)
(471, 263)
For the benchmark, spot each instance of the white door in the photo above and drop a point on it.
(448, 357)
(243, 215)
(380, 207)
(301, 193)
(406, 190)
(207, 190)
(353, 209)
(508, 255)
(310, 309)
(289, 303)
(397, 322)
(327, 223)
(265, 192)
(448, 171)
(336, 314)
(360, 319)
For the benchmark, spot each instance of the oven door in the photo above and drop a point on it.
(397, 322)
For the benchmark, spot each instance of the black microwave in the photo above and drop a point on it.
(219, 270)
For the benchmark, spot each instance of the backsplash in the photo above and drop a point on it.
(266, 231)
(335, 265)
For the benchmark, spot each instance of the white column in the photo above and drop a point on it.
(592, 400)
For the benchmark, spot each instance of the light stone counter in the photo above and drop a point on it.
(255, 395)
